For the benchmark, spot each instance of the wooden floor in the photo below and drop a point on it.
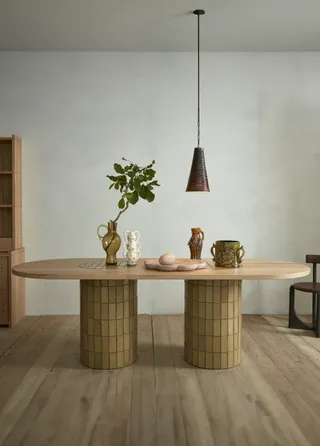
(48, 398)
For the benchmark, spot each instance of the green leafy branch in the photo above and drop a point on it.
(133, 182)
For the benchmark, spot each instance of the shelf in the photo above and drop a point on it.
(6, 172)
(6, 206)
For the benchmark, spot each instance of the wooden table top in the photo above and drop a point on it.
(94, 269)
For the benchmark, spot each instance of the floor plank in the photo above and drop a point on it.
(48, 398)
(8, 336)
(143, 407)
(170, 427)
(300, 411)
(21, 399)
(301, 338)
(194, 413)
(20, 357)
(302, 373)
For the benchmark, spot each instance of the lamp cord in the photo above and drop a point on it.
(198, 81)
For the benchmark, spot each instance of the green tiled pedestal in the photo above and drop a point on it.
(213, 323)
(108, 323)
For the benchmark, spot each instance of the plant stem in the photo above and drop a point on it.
(122, 211)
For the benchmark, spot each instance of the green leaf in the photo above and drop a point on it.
(137, 184)
(116, 186)
(112, 177)
(122, 179)
(150, 196)
(121, 203)
(135, 198)
(143, 192)
(117, 177)
(128, 195)
(111, 186)
(154, 183)
(150, 173)
(118, 168)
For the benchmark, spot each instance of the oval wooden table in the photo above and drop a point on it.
(108, 306)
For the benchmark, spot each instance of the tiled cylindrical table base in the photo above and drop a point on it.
(108, 323)
(212, 323)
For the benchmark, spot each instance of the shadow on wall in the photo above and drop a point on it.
(290, 161)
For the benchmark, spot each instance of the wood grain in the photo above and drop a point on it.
(48, 398)
(143, 419)
(170, 426)
(4, 291)
(9, 336)
(70, 269)
(12, 288)
(17, 290)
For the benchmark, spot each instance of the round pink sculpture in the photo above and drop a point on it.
(167, 259)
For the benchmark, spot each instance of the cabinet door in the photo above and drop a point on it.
(4, 291)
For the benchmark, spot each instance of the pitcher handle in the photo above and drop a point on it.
(98, 231)
(137, 232)
(202, 233)
(243, 253)
(213, 254)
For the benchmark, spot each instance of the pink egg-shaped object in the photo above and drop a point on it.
(167, 259)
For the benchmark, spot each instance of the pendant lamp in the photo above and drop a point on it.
(198, 179)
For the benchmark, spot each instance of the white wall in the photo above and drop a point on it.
(78, 113)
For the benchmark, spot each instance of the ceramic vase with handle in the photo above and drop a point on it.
(195, 243)
(131, 247)
(227, 253)
(111, 242)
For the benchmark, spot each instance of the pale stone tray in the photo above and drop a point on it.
(178, 265)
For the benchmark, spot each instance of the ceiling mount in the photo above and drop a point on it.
(199, 11)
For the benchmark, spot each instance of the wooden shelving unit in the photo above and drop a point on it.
(12, 294)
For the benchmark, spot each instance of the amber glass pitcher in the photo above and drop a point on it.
(111, 242)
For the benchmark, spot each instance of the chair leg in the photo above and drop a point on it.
(292, 312)
(318, 317)
(314, 310)
(294, 321)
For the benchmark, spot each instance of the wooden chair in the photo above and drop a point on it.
(307, 287)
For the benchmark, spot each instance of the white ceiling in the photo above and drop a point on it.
(159, 25)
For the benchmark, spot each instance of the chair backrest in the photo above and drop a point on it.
(314, 259)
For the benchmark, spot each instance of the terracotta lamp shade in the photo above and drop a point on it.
(198, 179)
